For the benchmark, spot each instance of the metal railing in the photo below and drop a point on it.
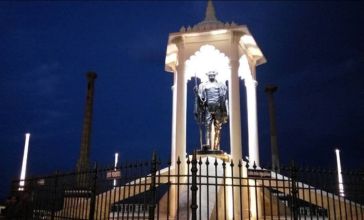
(197, 187)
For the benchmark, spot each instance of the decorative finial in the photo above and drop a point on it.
(210, 12)
(210, 22)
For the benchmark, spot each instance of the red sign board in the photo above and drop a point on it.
(113, 174)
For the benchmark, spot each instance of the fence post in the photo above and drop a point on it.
(194, 187)
(55, 195)
(93, 194)
(153, 187)
(294, 191)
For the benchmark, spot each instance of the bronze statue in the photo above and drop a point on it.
(211, 108)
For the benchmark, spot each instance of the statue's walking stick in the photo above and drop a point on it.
(198, 111)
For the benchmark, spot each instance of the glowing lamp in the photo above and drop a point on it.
(339, 174)
(24, 163)
(115, 166)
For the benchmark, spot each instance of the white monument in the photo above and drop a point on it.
(229, 49)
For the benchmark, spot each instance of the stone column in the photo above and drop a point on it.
(174, 116)
(269, 90)
(251, 98)
(179, 105)
(234, 113)
(83, 161)
(180, 110)
(178, 149)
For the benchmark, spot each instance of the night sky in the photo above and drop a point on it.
(315, 54)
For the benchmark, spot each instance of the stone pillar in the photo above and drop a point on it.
(251, 98)
(269, 90)
(179, 104)
(173, 189)
(178, 149)
(234, 113)
(174, 116)
(83, 161)
(180, 111)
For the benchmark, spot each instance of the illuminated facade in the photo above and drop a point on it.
(229, 49)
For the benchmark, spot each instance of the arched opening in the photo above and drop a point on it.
(207, 58)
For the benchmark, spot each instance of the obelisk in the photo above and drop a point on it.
(270, 89)
(83, 162)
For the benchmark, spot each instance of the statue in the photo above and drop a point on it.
(211, 109)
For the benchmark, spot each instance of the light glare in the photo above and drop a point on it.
(208, 58)
(248, 40)
(24, 163)
(115, 167)
(116, 159)
(339, 174)
(223, 31)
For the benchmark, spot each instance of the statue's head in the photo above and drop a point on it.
(211, 74)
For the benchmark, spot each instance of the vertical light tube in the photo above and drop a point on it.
(115, 166)
(339, 174)
(116, 160)
(24, 163)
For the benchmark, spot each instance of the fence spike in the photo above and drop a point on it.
(295, 180)
(254, 165)
(207, 161)
(247, 164)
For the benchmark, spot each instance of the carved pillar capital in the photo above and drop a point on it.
(236, 35)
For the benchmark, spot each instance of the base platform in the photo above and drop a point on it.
(209, 152)
(206, 151)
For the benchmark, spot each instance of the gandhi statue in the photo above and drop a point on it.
(211, 108)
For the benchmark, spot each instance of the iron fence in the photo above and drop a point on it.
(197, 187)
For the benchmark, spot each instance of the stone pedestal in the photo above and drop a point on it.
(207, 151)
